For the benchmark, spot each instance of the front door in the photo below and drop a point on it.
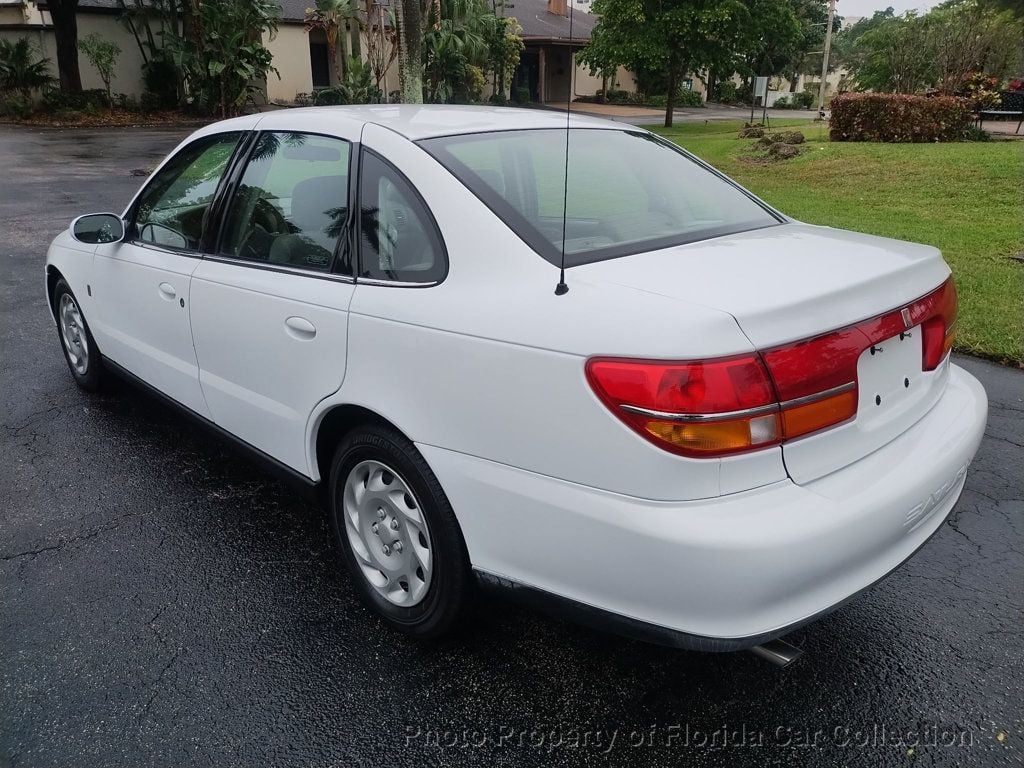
(270, 305)
(141, 286)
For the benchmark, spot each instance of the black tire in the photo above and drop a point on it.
(91, 378)
(449, 592)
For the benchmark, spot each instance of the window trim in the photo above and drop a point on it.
(537, 243)
(358, 228)
(340, 256)
(210, 218)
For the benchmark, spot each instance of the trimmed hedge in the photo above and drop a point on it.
(898, 117)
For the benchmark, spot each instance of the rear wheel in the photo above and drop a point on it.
(397, 534)
(80, 352)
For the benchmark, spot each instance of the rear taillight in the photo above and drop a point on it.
(698, 408)
(719, 407)
(936, 313)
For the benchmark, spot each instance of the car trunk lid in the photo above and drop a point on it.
(787, 284)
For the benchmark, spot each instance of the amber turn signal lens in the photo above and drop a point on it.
(717, 437)
(810, 417)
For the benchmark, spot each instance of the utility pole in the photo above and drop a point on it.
(824, 58)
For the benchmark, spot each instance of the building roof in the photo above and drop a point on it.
(539, 23)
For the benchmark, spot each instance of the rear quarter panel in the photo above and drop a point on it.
(491, 363)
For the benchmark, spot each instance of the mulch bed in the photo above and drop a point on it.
(116, 118)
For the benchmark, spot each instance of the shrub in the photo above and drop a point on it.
(898, 117)
(20, 70)
(689, 99)
(160, 82)
(355, 88)
(974, 133)
(804, 99)
(102, 54)
(781, 103)
(727, 92)
(16, 105)
(56, 100)
(521, 95)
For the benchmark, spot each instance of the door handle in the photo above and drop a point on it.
(167, 291)
(300, 328)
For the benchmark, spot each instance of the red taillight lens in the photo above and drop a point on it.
(736, 404)
(699, 408)
(936, 313)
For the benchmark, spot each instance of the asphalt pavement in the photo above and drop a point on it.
(164, 603)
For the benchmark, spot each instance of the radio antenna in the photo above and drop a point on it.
(562, 288)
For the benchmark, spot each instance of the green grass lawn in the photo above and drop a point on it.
(966, 199)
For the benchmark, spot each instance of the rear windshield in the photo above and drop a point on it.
(628, 191)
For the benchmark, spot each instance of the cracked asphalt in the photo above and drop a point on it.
(164, 603)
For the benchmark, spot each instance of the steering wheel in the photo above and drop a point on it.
(268, 216)
(267, 222)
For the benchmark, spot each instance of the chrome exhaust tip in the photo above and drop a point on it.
(778, 652)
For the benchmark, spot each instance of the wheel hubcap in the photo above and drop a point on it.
(72, 332)
(388, 533)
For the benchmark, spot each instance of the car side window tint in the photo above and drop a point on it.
(399, 239)
(291, 205)
(171, 211)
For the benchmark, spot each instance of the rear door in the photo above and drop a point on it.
(141, 285)
(270, 305)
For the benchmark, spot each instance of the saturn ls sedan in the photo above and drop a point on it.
(729, 424)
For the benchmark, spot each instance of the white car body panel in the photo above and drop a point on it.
(484, 372)
(140, 321)
(740, 566)
(270, 346)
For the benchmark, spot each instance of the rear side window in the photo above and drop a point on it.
(171, 211)
(291, 204)
(627, 191)
(399, 240)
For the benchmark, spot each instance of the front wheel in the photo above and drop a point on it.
(80, 351)
(397, 534)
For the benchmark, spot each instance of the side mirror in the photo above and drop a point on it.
(98, 228)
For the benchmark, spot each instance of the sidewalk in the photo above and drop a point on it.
(637, 115)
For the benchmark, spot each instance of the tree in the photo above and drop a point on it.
(669, 36)
(769, 37)
(381, 39)
(20, 70)
(64, 15)
(410, 50)
(912, 52)
(102, 54)
(221, 53)
(333, 17)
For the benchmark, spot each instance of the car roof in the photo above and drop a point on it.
(417, 121)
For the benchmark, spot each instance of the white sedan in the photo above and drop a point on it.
(727, 425)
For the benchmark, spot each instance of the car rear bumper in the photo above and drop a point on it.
(723, 573)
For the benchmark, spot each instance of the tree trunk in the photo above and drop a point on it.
(673, 85)
(357, 43)
(65, 33)
(410, 58)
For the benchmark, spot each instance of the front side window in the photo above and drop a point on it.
(171, 211)
(291, 205)
(399, 240)
(627, 191)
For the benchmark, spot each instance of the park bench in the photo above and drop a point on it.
(1012, 106)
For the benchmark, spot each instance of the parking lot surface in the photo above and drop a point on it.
(164, 603)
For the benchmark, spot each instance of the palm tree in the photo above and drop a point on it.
(331, 16)
(18, 71)
(410, 59)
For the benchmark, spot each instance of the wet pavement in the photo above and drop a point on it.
(164, 603)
